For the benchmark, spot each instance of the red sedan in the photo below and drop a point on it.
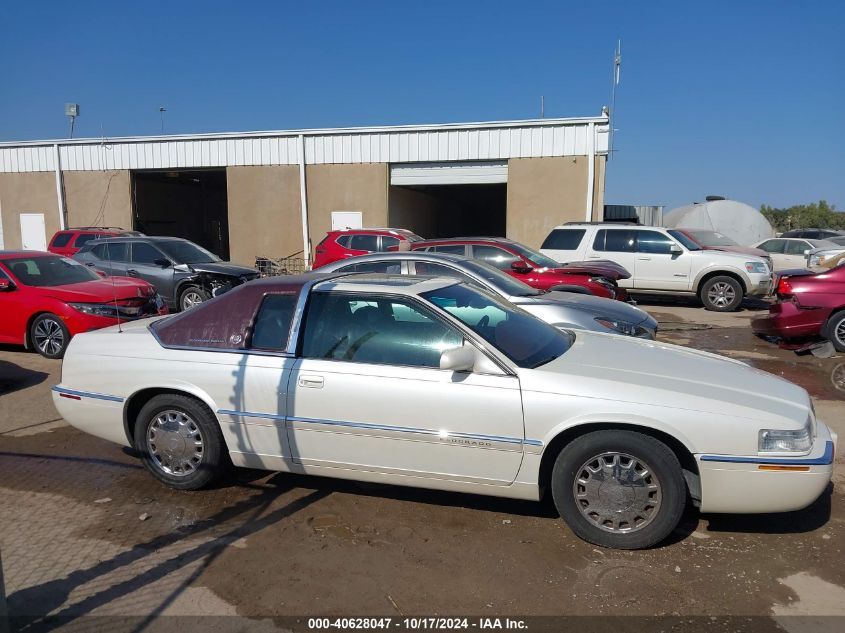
(46, 299)
(598, 277)
(809, 306)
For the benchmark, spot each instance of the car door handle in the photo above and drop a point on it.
(132, 272)
(312, 382)
(593, 256)
(644, 259)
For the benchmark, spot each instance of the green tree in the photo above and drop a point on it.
(821, 215)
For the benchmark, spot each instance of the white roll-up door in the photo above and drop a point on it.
(469, 173)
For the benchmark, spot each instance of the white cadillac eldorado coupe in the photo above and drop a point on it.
(432, 383)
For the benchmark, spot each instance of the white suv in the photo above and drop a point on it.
(663, 261)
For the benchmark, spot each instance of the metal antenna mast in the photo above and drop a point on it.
(617, 69)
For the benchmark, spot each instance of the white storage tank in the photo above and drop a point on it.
(739, 221)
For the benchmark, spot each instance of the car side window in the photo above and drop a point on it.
(454, 249)
(616, 241)
(392, 268)
(380, 330)
(364, 243)
(343, 240)
(654, 242)
(773, 246)
(493, 255)
(564, 239)
(272, 323)
(431, 269)
(115, 252)
(61, 239)
(143, 253)
(387, 241)
(82, 238)
(797, 247)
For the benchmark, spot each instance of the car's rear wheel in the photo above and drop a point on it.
(721, 294)
(180, 441)
(619, 489)
(192, 296)
(835, 329)
(49, 336)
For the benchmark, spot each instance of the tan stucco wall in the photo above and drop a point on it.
(345, 188)
(98, 198)
(27, 193)
(542, 193)
(264, 212)
(413, 210)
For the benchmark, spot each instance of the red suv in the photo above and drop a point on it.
(809, 306)
(69, 241)
(351, 242)
(597, 277)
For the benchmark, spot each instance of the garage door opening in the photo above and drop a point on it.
(188, 204)
(449, 199)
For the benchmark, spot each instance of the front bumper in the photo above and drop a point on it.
(759, 284)
(760, 484)
(787, 320)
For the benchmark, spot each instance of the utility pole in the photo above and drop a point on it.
(161, 111)
(542, 107)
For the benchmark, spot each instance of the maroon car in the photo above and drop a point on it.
(597, 277)
(711, 240)
(809, 306)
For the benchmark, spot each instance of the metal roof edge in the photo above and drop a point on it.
(600, 120)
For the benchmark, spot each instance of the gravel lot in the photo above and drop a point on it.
(83, 529)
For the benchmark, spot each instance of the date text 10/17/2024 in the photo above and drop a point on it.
(416, 624)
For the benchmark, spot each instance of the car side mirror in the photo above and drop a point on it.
(458, 358)
(519, 266)
(807, 252)
(6, 285)
(675, 249)
(161, 261)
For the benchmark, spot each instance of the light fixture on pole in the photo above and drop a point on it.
(72, 111)
(161, 111)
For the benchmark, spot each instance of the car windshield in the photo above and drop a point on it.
(184, 252)
(49, 271)
(712, 238)
(524, 339)
(535, 257)
(684, 239)
(503, 282)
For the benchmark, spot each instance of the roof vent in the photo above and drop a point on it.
(714, 198)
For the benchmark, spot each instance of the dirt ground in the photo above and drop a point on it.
(84, 530)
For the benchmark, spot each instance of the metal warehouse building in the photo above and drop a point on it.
(275, 194)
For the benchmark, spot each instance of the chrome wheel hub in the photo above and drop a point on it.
(617, 492)
(190, 300)
(839, 333)
(721, 294)
(175, 443)
(49, 337)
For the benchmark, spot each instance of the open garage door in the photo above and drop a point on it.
(449, 199)
(191, 204)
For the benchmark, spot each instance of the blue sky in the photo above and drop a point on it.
(743, 99)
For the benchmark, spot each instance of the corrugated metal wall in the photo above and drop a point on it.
(650, 215)
(558, 137)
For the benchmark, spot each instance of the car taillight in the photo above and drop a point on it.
(784, 287)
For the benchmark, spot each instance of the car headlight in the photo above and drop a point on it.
(756, 267)
(815, 260)
(97, 309)
(780, 441)
(622, 327)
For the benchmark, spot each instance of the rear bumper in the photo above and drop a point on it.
(786, 320)
(753, 485)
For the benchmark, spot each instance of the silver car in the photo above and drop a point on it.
(566, 310)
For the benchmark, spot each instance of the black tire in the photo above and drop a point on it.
(581, 290)
(192, 292)
(646, 527)
(835, 330)
(48, 336)
(166, 429)
(721, 294)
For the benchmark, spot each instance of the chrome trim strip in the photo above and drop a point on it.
(825, 460)
(386, 427)
(87, 394)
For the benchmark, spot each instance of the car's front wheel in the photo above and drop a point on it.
(835, 330)
(180, 441)
(721, 294)
(192, 296)
(619, 489)
(49, 336)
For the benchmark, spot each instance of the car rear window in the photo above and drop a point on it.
(61, 239)
(564, 239)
